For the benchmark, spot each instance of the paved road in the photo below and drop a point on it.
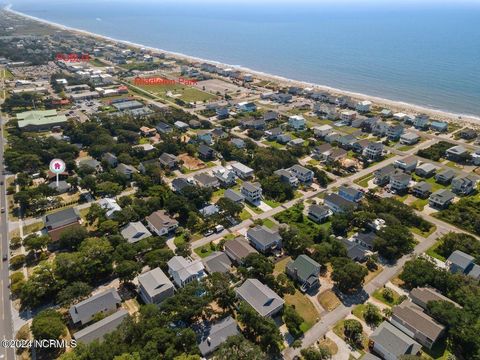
(6, 329)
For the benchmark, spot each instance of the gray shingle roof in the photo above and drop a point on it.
(135, 231)
(84, 310)
(213, 336)
(264, 235)
(101, 328)
(61, 218)
(217, 262)
(394, 341)
(233, 195)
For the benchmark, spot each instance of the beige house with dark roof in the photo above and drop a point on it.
(160, 223)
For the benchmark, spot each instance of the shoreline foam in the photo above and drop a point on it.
(394, 105)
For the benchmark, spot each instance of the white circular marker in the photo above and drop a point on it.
(57, 166)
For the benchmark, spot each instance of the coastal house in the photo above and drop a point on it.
(321, 152)
(260, 297)
(163, 128)
(457, 153)
(346, 141)
(319, 213)
(247, 106)
(348, 116)
(303, 174)
(338, 204)
(462, 263)
(242, 171)
(287, 177)
(409, 138)
(110, 206)
(445, 177)
(391, 343)
(126, 170)
(305, 271)
(382, 175)
(421, 296)
(425, 170)
(421, 122)
(168, 161)
(206, 153)
(238, 249)
(363, 106)
(213, 335)
(110, 159)
(439, 126)
(464, 184)
(184, 271)
(103, 302)
(218, 261)
(264, 239)
(468, 134)
(350, 194)
(407, 164)
(394, 132)
(252, 192)
(322, 130)
(400, 182)
(154, 286)
(441, 199)
(411, 319)
(160, 223)
(206, 181)
(225, 176)
(234, 196)
(297, 122)
(134, 232)
(373, 151)
(422, 190)
(99, 329)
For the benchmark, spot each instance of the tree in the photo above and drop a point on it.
(352, 329)
(126, 270)
(257, 266)
(264, 331)
(36, 243)
(219, 289)
(312, 353)
(73, 292)
(372, 314)
(394, 241)
(108, 227)
(72, 237)
(293, 320)
(95, 212)
(274, 188)
(238, 348)
(108, 189)
(347, 275)
(40, 287)
(293, 243)
(48, 324)
(229, 207)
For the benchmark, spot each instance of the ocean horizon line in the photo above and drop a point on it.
(409, 106)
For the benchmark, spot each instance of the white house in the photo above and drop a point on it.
(184, 271)
(160, 223)
(110, 206)
(242, 171)
(297, 122)
(363, 106)
(322, 131)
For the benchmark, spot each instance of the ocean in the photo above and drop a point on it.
(427, 55)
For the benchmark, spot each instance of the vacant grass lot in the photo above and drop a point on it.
(328, 300)
(186, 93)
(304, 308)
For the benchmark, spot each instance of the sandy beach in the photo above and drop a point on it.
(395, 106)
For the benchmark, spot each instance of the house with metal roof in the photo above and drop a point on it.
(103, 302)
(260, 297)
(154, 286)
(305, 271)
(110, 206)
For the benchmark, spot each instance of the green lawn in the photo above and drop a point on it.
(338, 330)
(432, 251)
(359, 310)
(205, 250)
(269, 223)
(272, 203)
(406, 147)
(6, 74)
(28, 229)
(281, 265)
(304, 308)
(378, 294)
(273, 144)
(179, 240)
(245, 215)
(254, 208)
(419, 204)
(363, 181)
(424, 233)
